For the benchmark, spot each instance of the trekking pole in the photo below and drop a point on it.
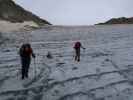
(84, 51)
(73, 55)
(35, 67)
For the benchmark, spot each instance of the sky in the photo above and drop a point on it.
(78, 12)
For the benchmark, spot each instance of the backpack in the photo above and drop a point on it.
(77, 45)
(25, 50)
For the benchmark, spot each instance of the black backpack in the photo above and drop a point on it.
(23, 49)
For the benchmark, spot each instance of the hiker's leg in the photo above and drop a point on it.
(26, 72)
(78, 54)
(23, 69)
(76, 58)
(27, 68)
(23, 72)
(24, 66)
(75, 54)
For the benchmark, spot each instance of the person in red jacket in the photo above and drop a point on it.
(77, 47)
(25, 54)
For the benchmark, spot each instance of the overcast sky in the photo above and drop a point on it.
(78, 12)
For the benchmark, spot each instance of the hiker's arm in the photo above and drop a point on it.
(33, 54)
(82, 47)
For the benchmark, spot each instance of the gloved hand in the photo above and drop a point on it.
(33, 55)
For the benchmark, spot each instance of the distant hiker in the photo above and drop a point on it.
(25, 53)
(77, 47)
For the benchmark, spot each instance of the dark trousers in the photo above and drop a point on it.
(25, 67)
(77, 56)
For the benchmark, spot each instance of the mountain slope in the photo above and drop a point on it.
(121, 20)
(12, 12)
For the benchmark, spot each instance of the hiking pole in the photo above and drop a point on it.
(35, 67)
(84, 51)
(73, 54)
